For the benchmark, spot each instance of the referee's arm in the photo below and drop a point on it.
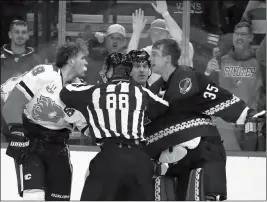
(156, 105)
(73, 94)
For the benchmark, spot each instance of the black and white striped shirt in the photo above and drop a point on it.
(115, 109)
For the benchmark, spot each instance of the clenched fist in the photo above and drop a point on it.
(213, 65)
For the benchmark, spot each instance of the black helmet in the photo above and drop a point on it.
(121, 64)
(139, 56)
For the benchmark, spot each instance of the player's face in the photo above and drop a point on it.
(19, 35)
(158, 61)
(80, 65)
(140, 72)
(158, 34)
(242, 38)
(115, 42)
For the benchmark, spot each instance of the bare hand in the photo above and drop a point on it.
(161, 7)
(100, 37)
(139, 22)
(213, 65)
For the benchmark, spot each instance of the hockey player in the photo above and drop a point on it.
(115, 114)
(39, 126)
(185, 137)
(141, 70)
(159, 29)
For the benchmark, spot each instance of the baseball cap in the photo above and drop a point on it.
(159, 24)
(116, 28)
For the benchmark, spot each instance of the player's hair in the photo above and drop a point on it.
(70, 50)
(169, 47)
(17, 23)
(244, 24)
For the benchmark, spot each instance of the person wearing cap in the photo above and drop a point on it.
(162, 29)
(114, 40)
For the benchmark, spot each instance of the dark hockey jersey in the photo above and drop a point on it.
(193, 98)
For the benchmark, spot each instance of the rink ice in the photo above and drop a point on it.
(246, 176)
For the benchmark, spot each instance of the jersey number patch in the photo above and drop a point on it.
(38, 70)
(210, 92)
(121, 99)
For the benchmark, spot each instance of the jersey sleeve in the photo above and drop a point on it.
(77, 119)
(216, 101)
(33, 80)
(156, 105)
(73, 95)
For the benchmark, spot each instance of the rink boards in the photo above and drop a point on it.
(246, 176)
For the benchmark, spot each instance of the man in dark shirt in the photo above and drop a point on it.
(16, 59)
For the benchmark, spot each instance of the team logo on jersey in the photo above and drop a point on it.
(47, 110)
(51, 88)
(185, 85)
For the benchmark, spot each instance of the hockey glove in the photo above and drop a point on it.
(251, 141)
(253, 119)
(18, 143)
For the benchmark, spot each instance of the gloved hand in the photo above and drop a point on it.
(18, 143)
(252, 119)
(254, 137)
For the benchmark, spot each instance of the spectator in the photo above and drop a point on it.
(16, 59)
(87, 33)
(114, 41)
(239, 69)
(255, 14)
(240, 74)
(261, 57)
(93, 39)
(162, 29)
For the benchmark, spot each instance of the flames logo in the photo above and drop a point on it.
(47, 110)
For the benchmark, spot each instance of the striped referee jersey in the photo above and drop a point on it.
(115, 109)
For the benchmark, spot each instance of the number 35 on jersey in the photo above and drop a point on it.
(210, 92)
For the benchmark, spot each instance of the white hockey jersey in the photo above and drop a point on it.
(41, 87)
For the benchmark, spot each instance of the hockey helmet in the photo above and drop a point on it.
(116, 65)
(139, 56)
